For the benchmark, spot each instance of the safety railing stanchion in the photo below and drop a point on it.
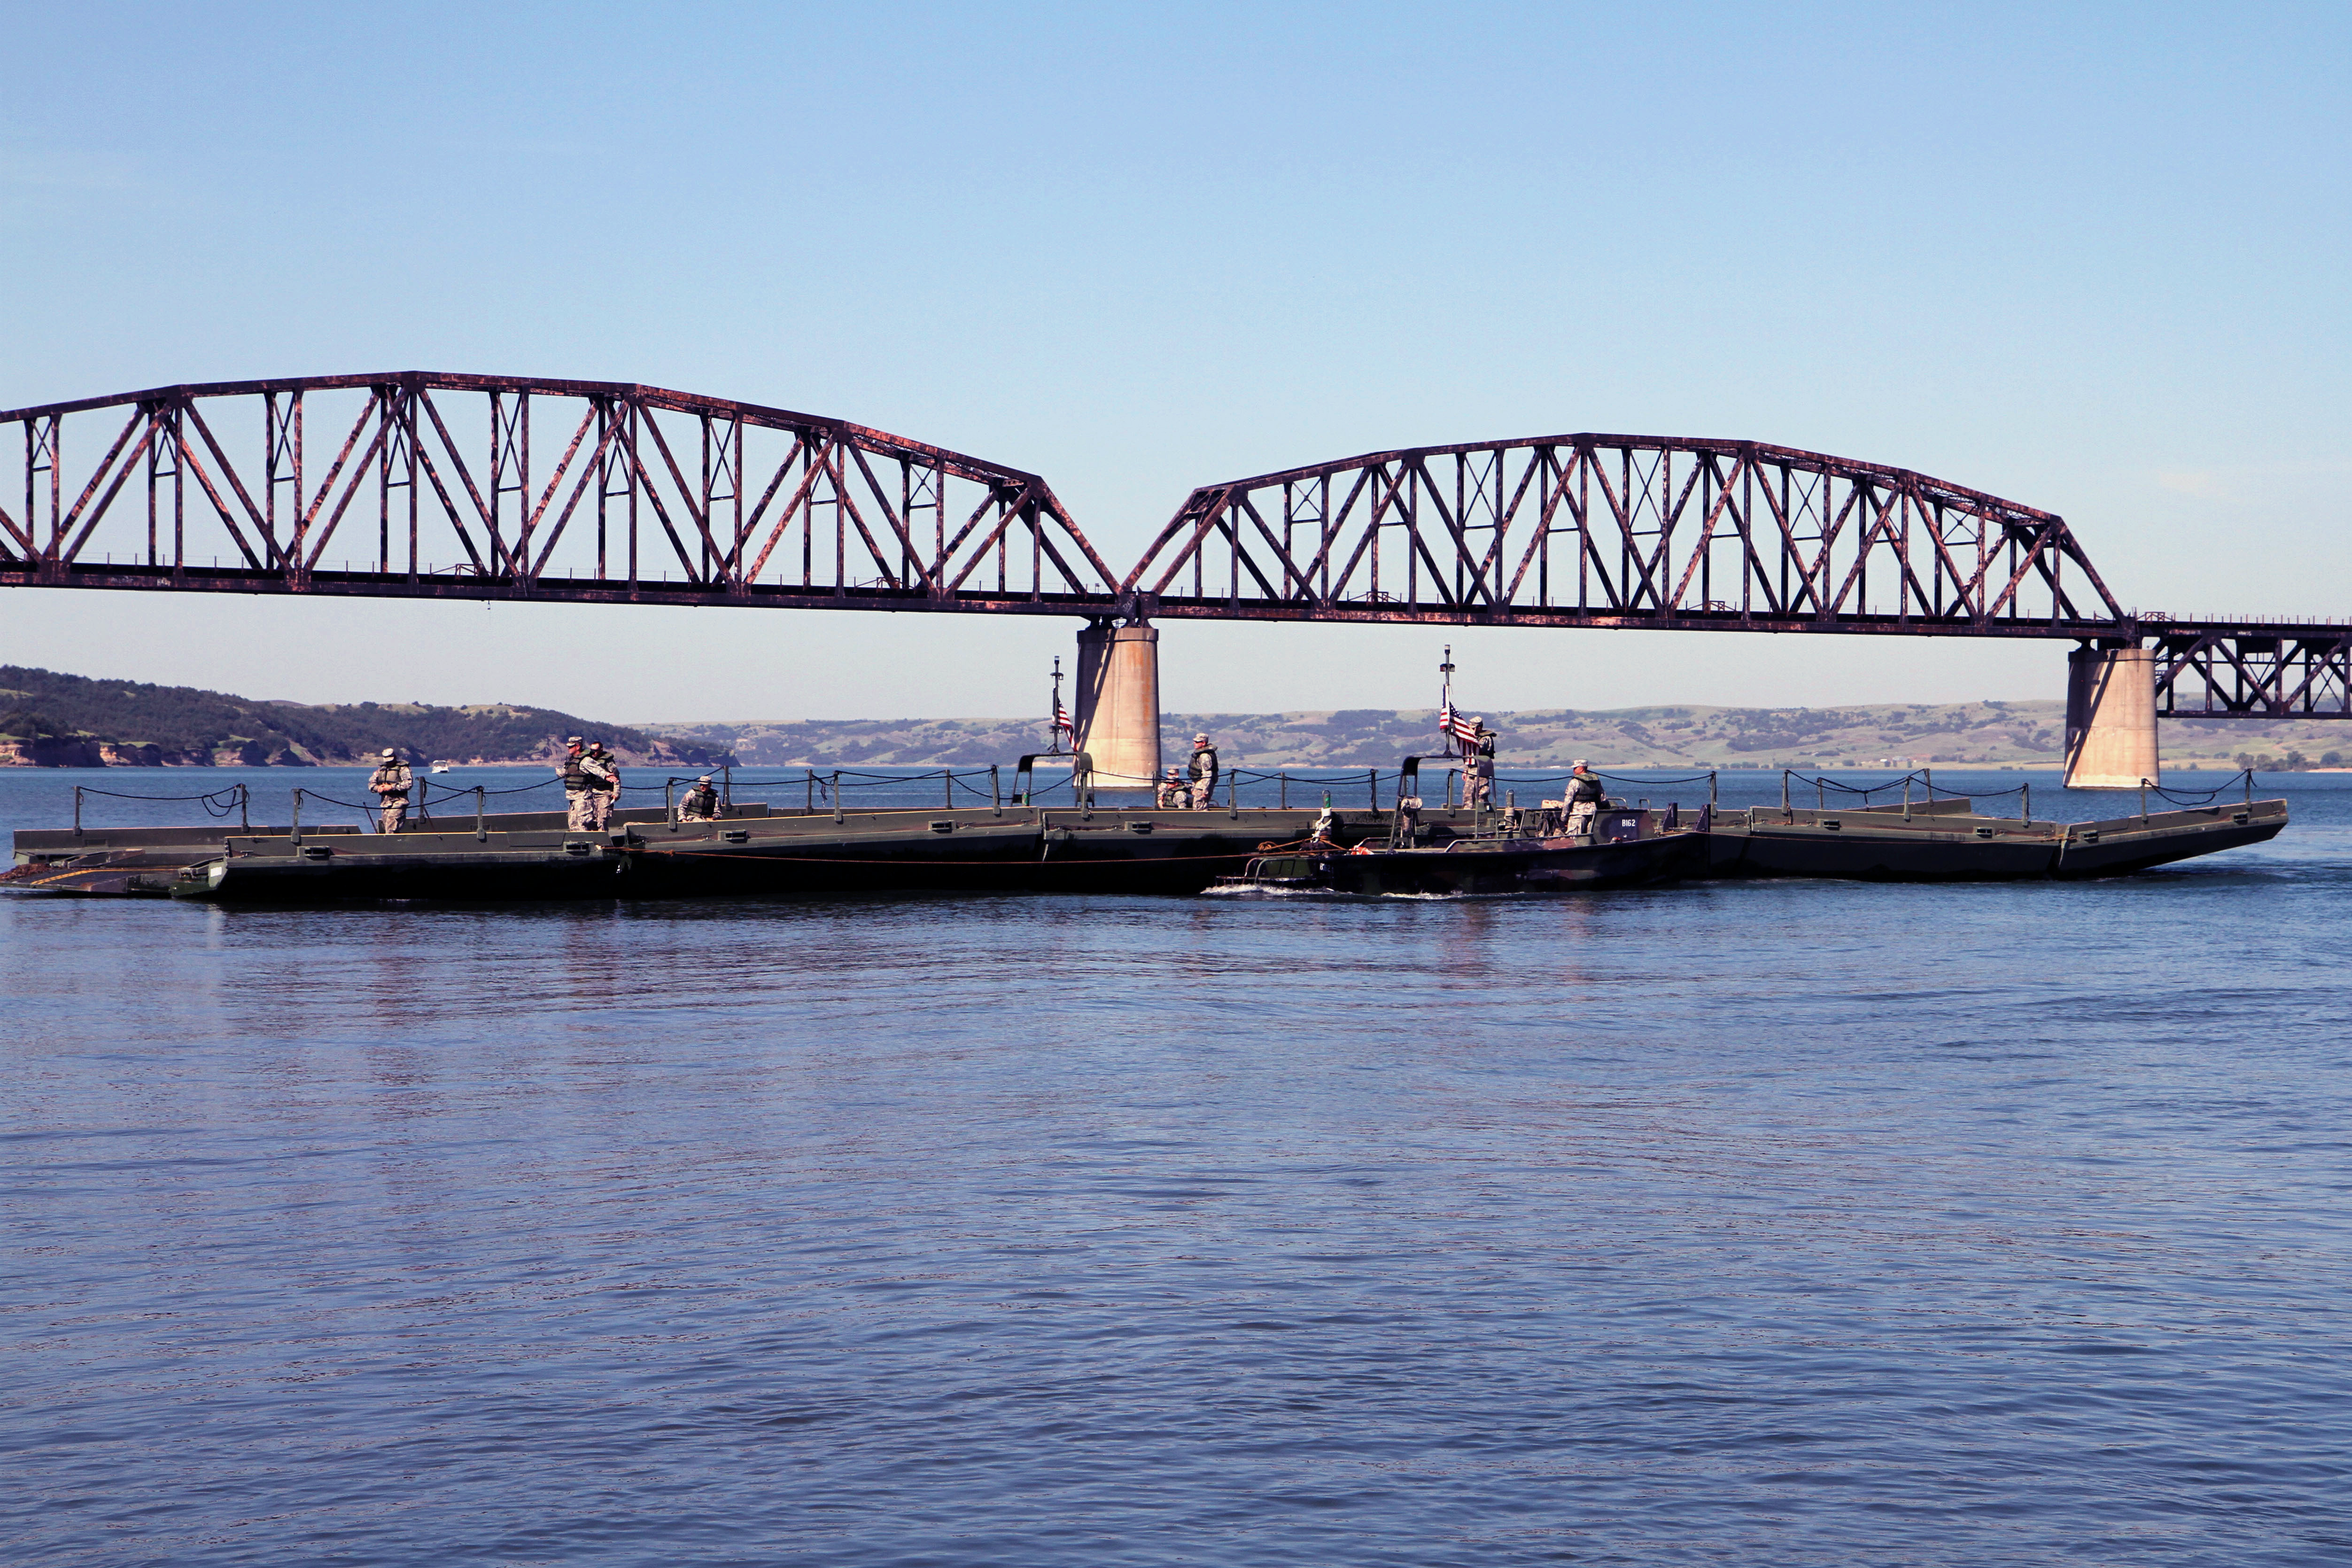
(77, 810)
(727, 789)
(2026, 790)
(836, 795)
(669, 802)
(1372, 785)
(244, 816)
(1285, 790)
(947, 783)
(1710, 789)
(1784, 789)
(995, 793)
(298, 816)
(808, 802)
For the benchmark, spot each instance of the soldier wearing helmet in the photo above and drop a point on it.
(1203, 773)
(700, 804)
(389, 784)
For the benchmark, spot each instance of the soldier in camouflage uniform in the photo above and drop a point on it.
(603, 771)
(577, 812)
(700, 804)
(389, 784)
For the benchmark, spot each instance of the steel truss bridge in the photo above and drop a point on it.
(424, 485)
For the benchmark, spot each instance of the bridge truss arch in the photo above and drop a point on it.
(429, 484)
(1622, 531)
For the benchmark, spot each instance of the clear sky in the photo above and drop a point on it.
(2091, 258)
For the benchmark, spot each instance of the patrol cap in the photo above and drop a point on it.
(572, 741)
(388, 751)
(1578, 763)
(1198, 739)
(704, 779)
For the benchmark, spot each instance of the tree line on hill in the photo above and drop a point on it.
(46, 717)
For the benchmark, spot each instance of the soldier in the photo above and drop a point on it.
(604, 770)
(1584, 792)
(700, 804)
(391, 783)
(1172, 790)
(1205, 773)
(1478, 768)
(578, 798)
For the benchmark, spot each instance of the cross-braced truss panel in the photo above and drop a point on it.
(482, 487)
(1620, 529)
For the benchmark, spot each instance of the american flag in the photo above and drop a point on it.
(1062, 719)
(1453, 725)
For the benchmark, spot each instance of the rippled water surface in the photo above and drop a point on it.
(1788, 1223)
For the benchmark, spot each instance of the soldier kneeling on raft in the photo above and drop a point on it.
(1172, 793)
(700, 804)
(389, 784)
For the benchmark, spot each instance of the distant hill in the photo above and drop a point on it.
(1992, 735)
(53, 720)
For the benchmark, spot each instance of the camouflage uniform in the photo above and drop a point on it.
(603, 771)
(1205, 775)
(700, 804)
(1584, 792)
(579, 814)
(389, 784)
(1479, 773)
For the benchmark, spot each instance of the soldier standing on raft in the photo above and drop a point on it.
(1205, 773)
(700, 804)
(1584, 792)
(604, 770)
(577, 812)
(389, 784)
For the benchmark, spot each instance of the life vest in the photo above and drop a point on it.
(575, 777)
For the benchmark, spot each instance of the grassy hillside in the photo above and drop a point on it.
(1990, 734)
(48, 716)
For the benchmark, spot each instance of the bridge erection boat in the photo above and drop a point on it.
(1481, 854)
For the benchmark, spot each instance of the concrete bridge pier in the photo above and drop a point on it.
(2111, 719)
(1117, 707)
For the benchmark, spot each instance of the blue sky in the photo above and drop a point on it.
(2091, 258)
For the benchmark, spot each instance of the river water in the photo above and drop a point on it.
(1774, 1222)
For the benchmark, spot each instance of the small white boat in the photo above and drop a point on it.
(443, 767)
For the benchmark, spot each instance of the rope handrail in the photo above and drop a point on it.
(229, 793)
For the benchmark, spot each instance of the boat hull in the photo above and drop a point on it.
(1481, 869)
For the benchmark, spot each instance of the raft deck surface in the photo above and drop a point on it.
(754, 849)
(1943, 841)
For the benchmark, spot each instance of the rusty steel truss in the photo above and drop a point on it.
(429, 485)
(2243, 669)
(1624, 531)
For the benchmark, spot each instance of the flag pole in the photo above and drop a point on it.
(1053, 719)
(1446, 699)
